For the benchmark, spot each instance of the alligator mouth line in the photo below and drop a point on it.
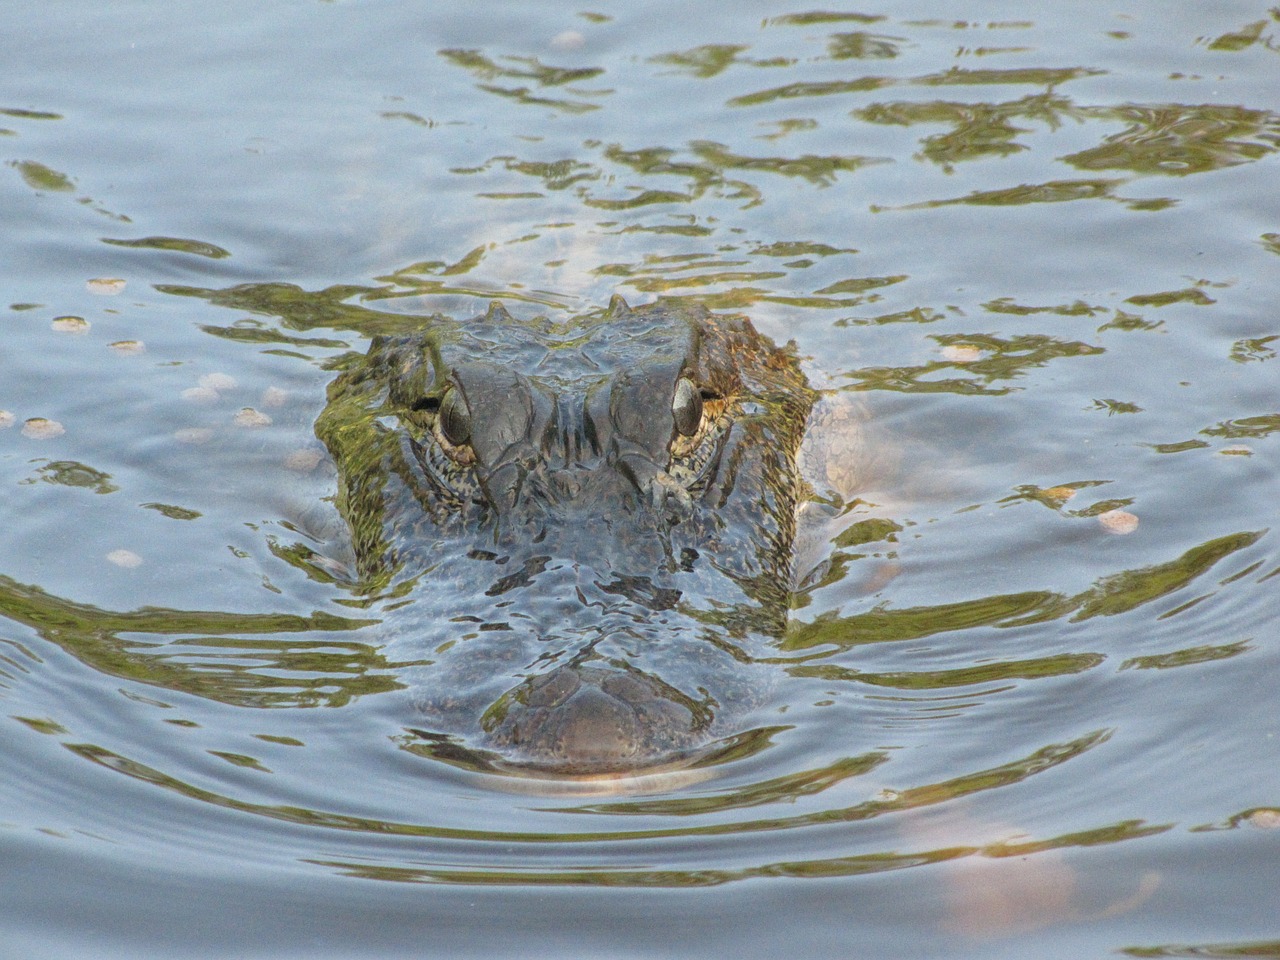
(700, 765)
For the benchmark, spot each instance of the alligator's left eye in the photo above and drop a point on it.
(455, 419)
(687, 407)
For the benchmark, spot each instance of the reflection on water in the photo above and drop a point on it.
(1039, 475)
(222, 656)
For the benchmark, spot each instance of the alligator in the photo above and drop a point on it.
(581, 533)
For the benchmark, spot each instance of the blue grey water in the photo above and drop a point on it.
(1030, 710)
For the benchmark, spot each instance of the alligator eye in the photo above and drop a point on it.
(455, 419)
(687, 407)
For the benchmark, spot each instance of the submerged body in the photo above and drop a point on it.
(591, 525)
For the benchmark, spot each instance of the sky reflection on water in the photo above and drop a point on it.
(1036, 250)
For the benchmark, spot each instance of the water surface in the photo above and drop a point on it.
(1025, 704)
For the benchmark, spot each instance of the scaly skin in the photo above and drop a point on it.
(597, 519)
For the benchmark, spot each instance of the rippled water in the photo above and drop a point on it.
(1037, 245)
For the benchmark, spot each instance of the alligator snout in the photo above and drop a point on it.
(581, 719)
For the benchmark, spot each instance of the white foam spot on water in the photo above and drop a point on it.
(70, 325)
(274, 397)
(251, 418)
(200, 395)
(40, 428)
(961, 353)
(217, 381)
(568, 40)
(105, 286)
(1118, 521)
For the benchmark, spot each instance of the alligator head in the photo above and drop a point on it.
(585, 527)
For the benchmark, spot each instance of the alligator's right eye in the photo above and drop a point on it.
(687, 407)
(455, 419)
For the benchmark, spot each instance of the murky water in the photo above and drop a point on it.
(1026, 702)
